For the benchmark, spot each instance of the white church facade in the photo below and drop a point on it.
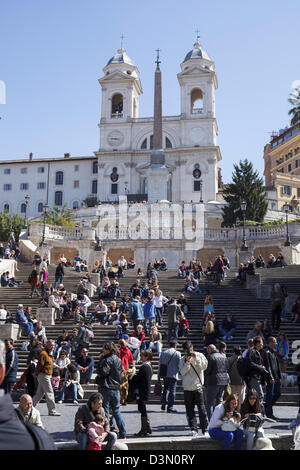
(119, 167)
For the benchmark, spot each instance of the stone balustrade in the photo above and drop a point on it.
(9, 330)
(55, 232)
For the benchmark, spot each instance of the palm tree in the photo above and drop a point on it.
(295, 111)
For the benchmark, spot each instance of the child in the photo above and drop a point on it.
(183, 325)
(95, 431)
(55, 379)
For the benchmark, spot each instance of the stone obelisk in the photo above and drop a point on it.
(157, 174)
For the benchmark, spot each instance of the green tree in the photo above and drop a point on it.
(246, 186)
(62, 217)
(10, 223)
(295, 110)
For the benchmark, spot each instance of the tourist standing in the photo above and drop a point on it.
(168, 370)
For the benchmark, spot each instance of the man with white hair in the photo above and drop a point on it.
(14, 435)
(27, 413)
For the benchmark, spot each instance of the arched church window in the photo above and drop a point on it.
(196, 101)
(117, 106)
(168, 143)
(23, 208)
(40, 207)
(6, 207)
(59, 177)
(75, 205)
(144, 144)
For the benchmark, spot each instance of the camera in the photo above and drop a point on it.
(189, 352)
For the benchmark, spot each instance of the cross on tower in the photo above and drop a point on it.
(157, 58)
(122, 37)
(198, 35)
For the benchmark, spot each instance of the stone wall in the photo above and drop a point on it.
(265, 251)
(69, 253)
(115, 253)
(207, 255)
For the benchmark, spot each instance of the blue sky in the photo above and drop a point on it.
(52, 54)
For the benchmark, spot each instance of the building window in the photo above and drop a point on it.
(114, 188)
(168, 143)
(23, 208)
(40, 207)
(289, 167)
(286, 190)
(41, 169)
(24, 186)
(94, 187)
(6, 187)
(196, 101)
(76, 168)
(76, 184)
(95, 167)
(196, 185)
(75, 205)
(58, 198)
(6, 207)
(298, 193)
(41, 185)
(59, 177)
(144, 144)
(23, 171)
(297, 163)
(117, 106)
(7, 171)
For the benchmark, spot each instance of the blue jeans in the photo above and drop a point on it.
(58, 279)
(74, 392)
(111, 398)
(82, 440)
(272, 394)
(145, 322)
(214, 394)
(156, 347)
(169, 392)
(227, 437)
(227, 333)
(194, 290)
(28, 326)
(173, 331)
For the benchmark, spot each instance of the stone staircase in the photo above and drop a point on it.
(229, 297)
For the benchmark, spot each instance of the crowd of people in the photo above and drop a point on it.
(224, 389)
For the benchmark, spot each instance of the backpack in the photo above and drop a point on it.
(88, 336)
(242, 366)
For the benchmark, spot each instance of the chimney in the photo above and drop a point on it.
(31, 156)
(66, 155)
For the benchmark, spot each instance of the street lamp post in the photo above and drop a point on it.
(43, 242)
(286, 209)
(244, 207)
(27, 199)
(201, 184)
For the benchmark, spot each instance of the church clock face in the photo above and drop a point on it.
(115, 138)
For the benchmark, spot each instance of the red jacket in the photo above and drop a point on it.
(126, 357)
(141, 337)
(182, 322)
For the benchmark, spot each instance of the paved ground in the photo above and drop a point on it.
(163, 424)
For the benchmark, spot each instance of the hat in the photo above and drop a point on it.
(211, 346)
(125, 336)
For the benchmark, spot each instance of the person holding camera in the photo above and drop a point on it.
(191, 367)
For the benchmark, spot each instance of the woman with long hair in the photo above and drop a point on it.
(208, 302)
(251, 405)
(224, 423)
(210, 334)
(142, 383)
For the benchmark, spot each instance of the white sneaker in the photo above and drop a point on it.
(76, 402)
(59, 402)
(194, 434)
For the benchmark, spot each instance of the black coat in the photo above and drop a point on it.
(109, 371)
(271, 363)
(142, 381)
(217, 370)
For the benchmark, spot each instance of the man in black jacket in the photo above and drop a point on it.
(109, 371)
(215, 378)
(257, 372)
(274, 379)
(13, 433)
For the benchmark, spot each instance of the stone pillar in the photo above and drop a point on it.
(9, 330)
(95, 277)
(46, 316)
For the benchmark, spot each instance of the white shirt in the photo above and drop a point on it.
(216, 420)
(3, 314)
(159, 301)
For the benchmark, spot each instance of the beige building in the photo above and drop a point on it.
(282, 169)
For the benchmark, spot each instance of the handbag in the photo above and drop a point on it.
(131, 397)
(229, 425)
